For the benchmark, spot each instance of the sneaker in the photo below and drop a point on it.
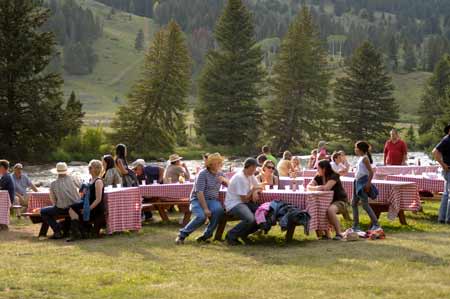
(375, 227)
(232, 242)
(202, 239)
(338, 238)
(179, 240)
(56, 236)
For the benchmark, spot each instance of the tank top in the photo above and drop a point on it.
(361, 169)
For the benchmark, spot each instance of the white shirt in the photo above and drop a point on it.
(240, 185)
(338, 167)
(361, 169)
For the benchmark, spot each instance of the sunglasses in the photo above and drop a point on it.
(270, 167)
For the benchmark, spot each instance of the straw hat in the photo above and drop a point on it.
(213, 158)
(18, 166)
(174, 158)
(61, 168)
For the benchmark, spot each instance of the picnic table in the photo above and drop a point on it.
(5, 205)
(434, 185)
(394, 197)
(287, 181)
(404, 169)
(123, 208)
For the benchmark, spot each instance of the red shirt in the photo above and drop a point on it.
(394, 152)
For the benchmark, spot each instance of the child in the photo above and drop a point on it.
(363, 188)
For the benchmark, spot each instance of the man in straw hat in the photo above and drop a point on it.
(63, 193)
(205, 200)
(175, 169)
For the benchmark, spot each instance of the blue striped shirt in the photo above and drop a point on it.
(207, 183)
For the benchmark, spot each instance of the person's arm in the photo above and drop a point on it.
(121, 168)
(33, 187)
(249, 196)
(312, 186)
(98, 194)
(385, 152)
(161, 175)
(275, 180)
(186, 171)
(438, 157)
(202, 202)
(223, 180)
(369, 168)
(52, 196)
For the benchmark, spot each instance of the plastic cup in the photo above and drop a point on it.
(287, 187)
(267, 187)
(155, 182)
(275, 187)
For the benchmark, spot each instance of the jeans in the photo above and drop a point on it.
(245, 212)
(364, 198)
(444, 209)
(217, 213)
(49, 214)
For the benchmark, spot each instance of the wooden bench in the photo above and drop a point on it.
(16, 209)
(221, 228)
(161, 205)
(379, 208)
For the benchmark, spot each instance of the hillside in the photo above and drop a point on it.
(118, 63)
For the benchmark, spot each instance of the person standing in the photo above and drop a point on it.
(442, 155)
(266, 151)
(6, 181)
(395, 150)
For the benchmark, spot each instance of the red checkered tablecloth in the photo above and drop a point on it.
(172, 191)
(398, 195)
(434, 185)
(315, 203)
(123, 208)
(5, 205)
(38, 200)
(395, 170)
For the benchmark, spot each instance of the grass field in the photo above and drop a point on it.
(413, 262)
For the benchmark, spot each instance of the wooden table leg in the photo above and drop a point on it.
(220, 229)
(162, 212)
(402, 218)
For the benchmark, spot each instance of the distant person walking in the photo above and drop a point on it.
(395, 150)
(442, 155)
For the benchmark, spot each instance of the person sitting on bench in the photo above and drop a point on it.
(63, 193)
(240, 202)
(205, 200)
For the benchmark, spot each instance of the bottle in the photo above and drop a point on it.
(418, 162)
(181, 178)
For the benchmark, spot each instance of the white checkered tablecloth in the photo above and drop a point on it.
(434, 185)
(123, 209)
(172, 191)
(398, 195)
(315, 203)
(5, 205)
(395, 170)
(286, 181)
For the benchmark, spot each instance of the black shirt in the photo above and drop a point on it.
(444, 148)
(339, 192)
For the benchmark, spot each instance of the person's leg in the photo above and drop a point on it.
(48, 215)
(355, 210)
(199, 219)
(370, 212)
(333, 219)
(247, 218)
(444, 207)
(217, 213)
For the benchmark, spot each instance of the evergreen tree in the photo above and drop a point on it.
(298, 86)
(410, 138)
(392, 53)
(139, 41)
(410, 63)
(151, 118)
(73, 115)
(365, 107)
(229, 87)
(432, 101)
(31, 113)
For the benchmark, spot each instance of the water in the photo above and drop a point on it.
(44, 174)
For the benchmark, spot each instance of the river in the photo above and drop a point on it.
(44, 174)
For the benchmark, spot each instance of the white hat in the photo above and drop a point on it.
(61, 168)
(138, 162)
(18, 166)
(174, 158)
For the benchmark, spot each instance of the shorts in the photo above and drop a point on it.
(342, 209)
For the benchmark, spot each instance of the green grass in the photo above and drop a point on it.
(413, 262)
(119, 64)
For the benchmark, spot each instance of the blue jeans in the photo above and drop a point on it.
(248, 223)
(217, 213)
(49, 214)
(364, 198)
(444, 210)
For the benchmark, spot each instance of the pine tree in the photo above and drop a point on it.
(409, 58)
(229, 88)
(392, 53)
(298, 86)
(410, 138)
(73, 115)
(365, 107)
(432, 101)
(151, 118)
(31, 113)
(139, 41)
